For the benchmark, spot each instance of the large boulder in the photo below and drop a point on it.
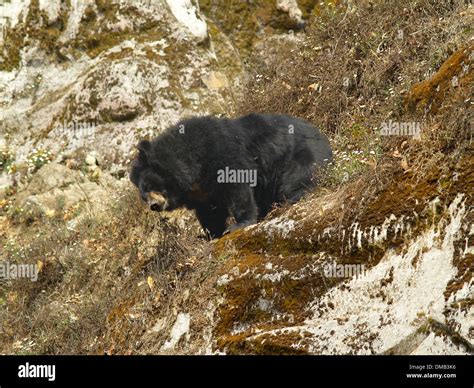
(51, 176)
(117, 72)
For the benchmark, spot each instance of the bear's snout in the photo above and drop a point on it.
(157, 202)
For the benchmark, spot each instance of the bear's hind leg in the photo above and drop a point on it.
(243, 208)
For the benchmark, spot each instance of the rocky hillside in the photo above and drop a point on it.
(378, 260)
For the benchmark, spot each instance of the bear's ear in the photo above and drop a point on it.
(144, 148)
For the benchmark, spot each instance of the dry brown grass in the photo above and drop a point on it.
(98, 282)
(376, 49)
(356, 69)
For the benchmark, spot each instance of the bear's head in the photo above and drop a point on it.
(158, 187)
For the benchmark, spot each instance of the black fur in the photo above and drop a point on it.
(182, 165)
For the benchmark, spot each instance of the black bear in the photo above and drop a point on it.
(220, 166)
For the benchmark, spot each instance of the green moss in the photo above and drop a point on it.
(290, 296)
(35, 26)
(430, 94)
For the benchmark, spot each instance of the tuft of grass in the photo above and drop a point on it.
(6, 160)
(37, 158)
